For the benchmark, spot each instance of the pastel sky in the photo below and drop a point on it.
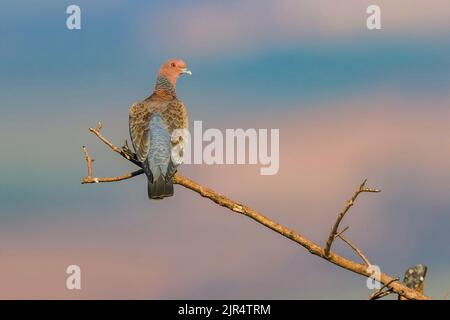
(350, 104)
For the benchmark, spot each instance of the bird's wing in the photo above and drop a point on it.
(139, 125)
(176, 119)
(159, 151)
(175, 116)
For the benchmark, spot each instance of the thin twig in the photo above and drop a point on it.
(124, 152)
(90, 179)
(89, 161)
(332, 236)
(341, 232)
(381, 292)
(356, 249)
(312, 247)
(87, 180)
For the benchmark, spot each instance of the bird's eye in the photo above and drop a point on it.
(173, 64)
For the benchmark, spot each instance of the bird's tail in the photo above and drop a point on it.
(160, 188)
(158, 166)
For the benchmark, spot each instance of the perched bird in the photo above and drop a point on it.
(157, 125)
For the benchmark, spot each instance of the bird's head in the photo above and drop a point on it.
(172, 69)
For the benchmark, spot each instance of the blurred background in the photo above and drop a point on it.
(350, 104)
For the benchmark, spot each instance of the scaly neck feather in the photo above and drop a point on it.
(164, 87)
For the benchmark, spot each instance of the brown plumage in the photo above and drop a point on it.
(144, 115)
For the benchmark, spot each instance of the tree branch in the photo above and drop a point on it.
(90, 179)
(334, 230)
(356, 249)
(382, 292)
(221, 200)
(124, 151)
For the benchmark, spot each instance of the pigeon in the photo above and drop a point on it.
(158, 126)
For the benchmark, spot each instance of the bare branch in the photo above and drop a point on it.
(89, 161)
(124, 152)
(356, 249)
(351, 245)
(334, 230)
(341, 232)
(313, 248)
(382, 292)
(90, 179)
(87, 180)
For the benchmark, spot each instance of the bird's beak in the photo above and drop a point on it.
(186, 71)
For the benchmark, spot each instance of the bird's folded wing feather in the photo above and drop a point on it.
(173, 113)
(175, 116)
(177, 122)
(139, 125)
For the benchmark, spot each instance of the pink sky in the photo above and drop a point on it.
(246, 26)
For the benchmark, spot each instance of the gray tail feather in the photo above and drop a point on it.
(160, 188)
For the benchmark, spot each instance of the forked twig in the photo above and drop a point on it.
(362, 188)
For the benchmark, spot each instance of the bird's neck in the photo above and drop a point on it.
(165, 87)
